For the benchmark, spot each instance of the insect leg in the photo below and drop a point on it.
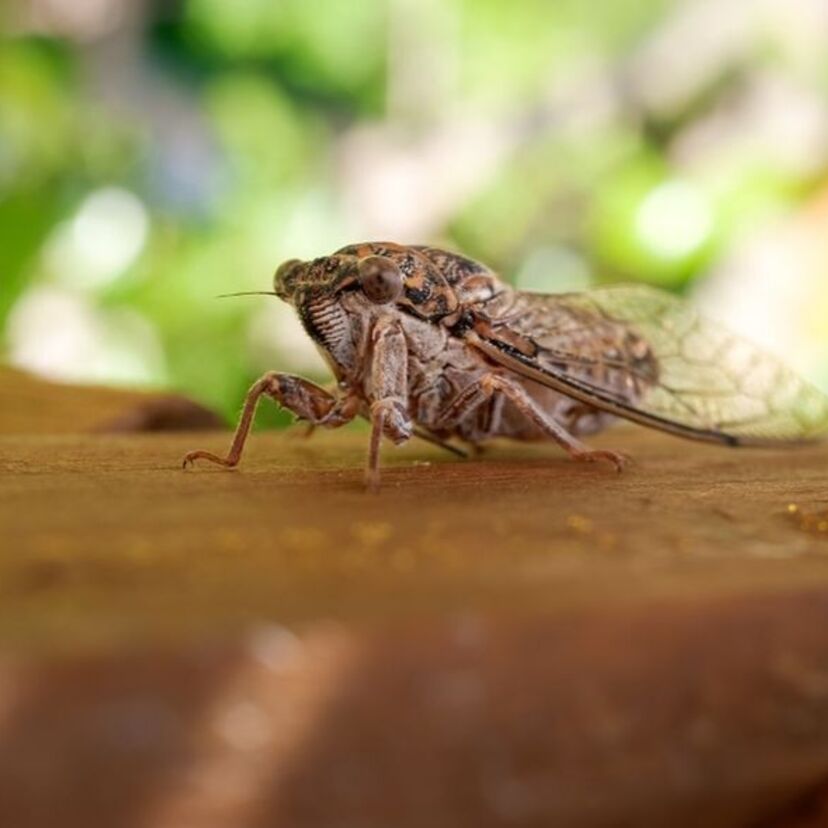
(303, 398)
(310, 427)
(426, 435)
(388, 393)
(489, 385)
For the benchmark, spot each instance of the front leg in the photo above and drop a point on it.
(388, 392)
(305, 399)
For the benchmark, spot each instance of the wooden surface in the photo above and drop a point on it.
(29, 405)
(510, 640)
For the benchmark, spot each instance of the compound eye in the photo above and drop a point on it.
(380, 278)
(282, 272)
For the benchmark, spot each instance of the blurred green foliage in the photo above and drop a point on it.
(232, 127)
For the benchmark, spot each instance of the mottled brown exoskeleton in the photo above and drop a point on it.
(427, 342)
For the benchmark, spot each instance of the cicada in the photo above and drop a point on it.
(426, 342)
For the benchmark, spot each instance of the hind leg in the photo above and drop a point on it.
(493, 385)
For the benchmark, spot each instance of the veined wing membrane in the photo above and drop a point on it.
(650, 357)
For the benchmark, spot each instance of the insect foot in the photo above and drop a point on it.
(617, 458)
(192, 456)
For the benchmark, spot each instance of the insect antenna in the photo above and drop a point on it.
(248, 293)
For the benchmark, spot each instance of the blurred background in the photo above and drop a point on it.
(156, 153)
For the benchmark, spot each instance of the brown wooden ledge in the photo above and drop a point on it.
(510, 640)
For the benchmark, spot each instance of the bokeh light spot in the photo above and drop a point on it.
(674, 220)
(59, 334)
(104, 238)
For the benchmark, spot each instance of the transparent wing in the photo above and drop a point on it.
(650, 357)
